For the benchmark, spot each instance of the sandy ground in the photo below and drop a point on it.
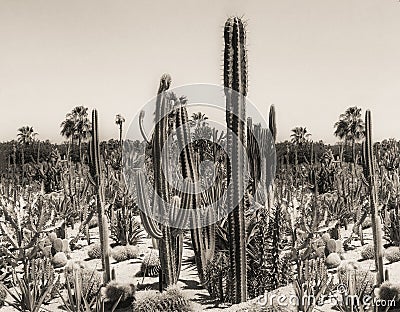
(127, 272)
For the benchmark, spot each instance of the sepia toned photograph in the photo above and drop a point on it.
(184, 156)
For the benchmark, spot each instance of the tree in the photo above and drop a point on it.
(299, 137)
(350, 127)
(76, 126)
(119, 120)
(26, 135)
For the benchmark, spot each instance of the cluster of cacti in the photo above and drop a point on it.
(119, 295)
(172, 300)
(364, 279)
(90, 279)
(122, 253)
(124, 228)
(313, 281)
(96, 179)
(216, 276)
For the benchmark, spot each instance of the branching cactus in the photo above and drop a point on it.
(235, 83)
(369, 167)
(96, 179)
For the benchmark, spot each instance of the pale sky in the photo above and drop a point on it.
(311, 58)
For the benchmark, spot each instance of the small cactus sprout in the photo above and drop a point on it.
(368, 252)
(392, 254)
(333, 260)
(59, 260)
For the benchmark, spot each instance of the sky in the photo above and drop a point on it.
(312, 59)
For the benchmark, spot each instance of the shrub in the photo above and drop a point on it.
(392, 254)
(364, 279)
(368, 252)
(91, 279)
(151, 265)
(59, 260)
(333, 260)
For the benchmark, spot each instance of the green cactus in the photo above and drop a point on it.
(235, 83)
(369, 172)
(96, 179)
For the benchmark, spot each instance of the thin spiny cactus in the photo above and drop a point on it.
(96, 178)
(369, 171)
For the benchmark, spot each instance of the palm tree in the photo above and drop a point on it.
(67, 130)
(119, 120)
(76, 126)
(26, 135)
(299, 137)
(350, 127)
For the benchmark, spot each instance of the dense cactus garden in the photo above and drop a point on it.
(136, 225)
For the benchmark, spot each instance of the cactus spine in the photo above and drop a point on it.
(95, 174)
(235, 83)
(369, 167)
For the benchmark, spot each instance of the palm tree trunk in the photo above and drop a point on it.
(80, 149)
(120, 134)
(353, 146)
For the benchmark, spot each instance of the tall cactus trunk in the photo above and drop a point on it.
(168, 273)
(95, 173)
(369, 167)
(235, 82)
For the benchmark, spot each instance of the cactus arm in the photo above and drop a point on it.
(369, 170)
(144, 135)
(149, 224)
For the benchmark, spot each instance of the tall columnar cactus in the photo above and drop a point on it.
(96, 177)
(235, 83)
(369, 167)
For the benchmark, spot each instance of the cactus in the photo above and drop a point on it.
(59, 260)
(203, 239)
(235, 83)
(369, 172)
(96, 178)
